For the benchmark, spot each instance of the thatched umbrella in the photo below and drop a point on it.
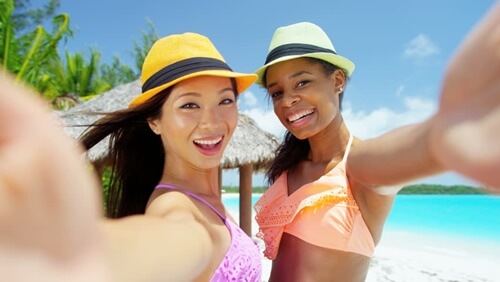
(77, 118)
(250, 147)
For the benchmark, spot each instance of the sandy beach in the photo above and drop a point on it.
(418, 257)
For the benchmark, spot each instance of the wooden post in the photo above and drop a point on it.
(246, 171)
(220, 178)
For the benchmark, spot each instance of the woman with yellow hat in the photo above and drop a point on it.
(171, 224)
(166, 149)
(331, 192)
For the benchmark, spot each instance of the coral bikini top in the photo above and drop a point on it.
(323, 213)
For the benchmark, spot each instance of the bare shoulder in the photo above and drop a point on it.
(375, 200)
(170, 203)
(357, 144)
(375, 191)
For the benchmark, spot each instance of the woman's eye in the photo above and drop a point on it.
(302, 83)
(227, 101)
(189, 106)
(275, 95)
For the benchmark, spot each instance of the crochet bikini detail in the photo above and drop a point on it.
(323, 213)
(242, 261)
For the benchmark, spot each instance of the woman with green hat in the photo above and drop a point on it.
(331, 192)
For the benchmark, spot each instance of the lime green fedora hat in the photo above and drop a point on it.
(299, 40)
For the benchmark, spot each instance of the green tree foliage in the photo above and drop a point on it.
(28, 54)
(75, 79)
(441, 189)
(117, 73)
(31, 53)
(25, 17)
(141, 49)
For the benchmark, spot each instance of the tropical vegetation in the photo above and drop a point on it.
(30, 49)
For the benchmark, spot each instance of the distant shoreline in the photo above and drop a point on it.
(418, 189)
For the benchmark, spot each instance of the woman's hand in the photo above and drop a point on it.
(466, 135)
(49, 207)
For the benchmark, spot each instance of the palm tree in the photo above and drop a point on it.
(117, 73)
(141, 49)
(30, 52)
(75, 79)
(27, 55)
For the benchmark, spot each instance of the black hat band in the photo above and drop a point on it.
(295, 49)
(182, 68)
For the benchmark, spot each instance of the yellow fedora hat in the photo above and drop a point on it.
(302, 39)
(181, 56)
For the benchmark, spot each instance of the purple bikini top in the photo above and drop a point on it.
(242, 261)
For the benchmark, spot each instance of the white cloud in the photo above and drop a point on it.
(420, 47)
(419, 105)
(267, 120)
(247, 99)
(379, 121)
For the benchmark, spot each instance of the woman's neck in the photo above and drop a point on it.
(331, 143)
(202, 182)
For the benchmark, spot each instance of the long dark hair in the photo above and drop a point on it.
(293, 150)
(136, 155)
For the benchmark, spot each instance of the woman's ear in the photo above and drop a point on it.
(339, 80)
(154, 125)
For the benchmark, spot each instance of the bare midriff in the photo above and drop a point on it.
(301, 261)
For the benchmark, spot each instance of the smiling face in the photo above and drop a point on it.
(305, 99)
(197, 121)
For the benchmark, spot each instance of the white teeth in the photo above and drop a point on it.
(208, 142)
(299, 115)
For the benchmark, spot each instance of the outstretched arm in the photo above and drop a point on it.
(392, 159)
(48, 201)
(50, 217)
(464, 135)
(174, 247)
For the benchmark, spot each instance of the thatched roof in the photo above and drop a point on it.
(249, 144)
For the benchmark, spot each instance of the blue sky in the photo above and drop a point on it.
(400, 48)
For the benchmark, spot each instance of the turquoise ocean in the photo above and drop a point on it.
(470, 217)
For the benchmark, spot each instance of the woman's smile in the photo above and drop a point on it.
(209, 146)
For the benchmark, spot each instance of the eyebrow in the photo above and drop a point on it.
(299, 73)
(229, 88)
(198, 94)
